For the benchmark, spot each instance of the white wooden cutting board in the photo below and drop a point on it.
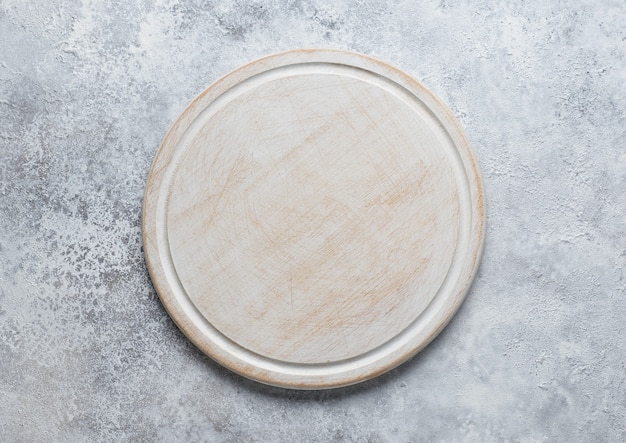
(313, 219)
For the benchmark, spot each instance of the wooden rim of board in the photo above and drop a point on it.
(313, 219)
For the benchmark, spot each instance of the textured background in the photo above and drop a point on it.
(88, 90)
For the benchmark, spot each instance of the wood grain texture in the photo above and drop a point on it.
(313, 219)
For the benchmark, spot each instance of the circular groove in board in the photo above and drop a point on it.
(313, 219)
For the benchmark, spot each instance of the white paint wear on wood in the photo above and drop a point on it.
(313, 219)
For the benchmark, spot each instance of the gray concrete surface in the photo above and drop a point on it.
(87, 91)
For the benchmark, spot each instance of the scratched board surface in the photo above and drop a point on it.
(313, 219)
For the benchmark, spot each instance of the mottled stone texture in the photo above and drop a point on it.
(88, 90)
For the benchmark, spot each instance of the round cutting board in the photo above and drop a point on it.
(313, 219)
